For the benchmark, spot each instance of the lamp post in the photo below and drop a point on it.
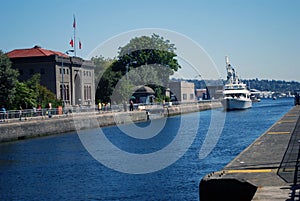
(62, 78)
(127, 71)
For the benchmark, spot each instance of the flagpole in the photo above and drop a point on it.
(74, 26)
(79, 47)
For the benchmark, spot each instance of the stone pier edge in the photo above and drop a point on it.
(44, 126)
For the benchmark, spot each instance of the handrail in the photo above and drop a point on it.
(44, 112)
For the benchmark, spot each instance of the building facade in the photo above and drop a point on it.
(70, 78)
(184, 91)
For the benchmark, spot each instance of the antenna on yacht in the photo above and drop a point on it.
(227, 60)
(230, 70)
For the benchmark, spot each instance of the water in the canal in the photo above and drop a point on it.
(60, 168)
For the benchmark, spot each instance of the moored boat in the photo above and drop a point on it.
(255, 98)
(235, 93)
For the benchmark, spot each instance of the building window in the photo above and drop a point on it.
(90, 93)
(184, 96)
(87, 92)
(65, 71)
(42, 71)
(191, 96)
(65, 94)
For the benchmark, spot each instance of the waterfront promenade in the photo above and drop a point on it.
(266, 170)
(14, 129)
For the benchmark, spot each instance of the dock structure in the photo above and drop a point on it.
(269, 169)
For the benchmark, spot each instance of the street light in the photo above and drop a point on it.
(62, 78)
(127, 71)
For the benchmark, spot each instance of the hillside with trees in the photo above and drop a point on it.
(277, 86)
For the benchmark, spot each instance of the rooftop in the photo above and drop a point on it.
(36, 51)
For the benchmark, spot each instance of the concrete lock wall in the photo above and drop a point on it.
(61, 124)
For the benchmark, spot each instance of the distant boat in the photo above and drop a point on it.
(235, 93)
(255, 98)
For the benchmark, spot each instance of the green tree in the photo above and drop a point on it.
(41, 94)
(122, 91)
(146, 75)
(147, 50)
(33, 83)
(106, 85)
(101, 64)
(159, 94)
(30, 94)
(45, 96)
(27, 93)
(25, 96)
(153, 52)
(147, 42)
(8, 81)
(103, 78)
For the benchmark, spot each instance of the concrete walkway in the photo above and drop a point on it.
(267, 165)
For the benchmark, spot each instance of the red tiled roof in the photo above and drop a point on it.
(33, 52)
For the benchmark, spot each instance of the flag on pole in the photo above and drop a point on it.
(72, 42)
(79, 44)
(74, 22)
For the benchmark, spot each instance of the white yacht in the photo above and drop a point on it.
(235, 93)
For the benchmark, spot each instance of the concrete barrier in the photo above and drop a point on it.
(42, 126)
(189, 108)
(62, 124)
(264, 170)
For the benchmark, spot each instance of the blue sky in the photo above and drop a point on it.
(261, 37)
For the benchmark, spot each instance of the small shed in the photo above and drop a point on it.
(143, 94)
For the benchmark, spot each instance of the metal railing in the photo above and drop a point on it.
(44, 112)
(29, 113)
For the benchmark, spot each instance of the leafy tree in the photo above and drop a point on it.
(146, 75)
(147, 50)
(30, 94)
(153, 52)
(106, 85)
(33, 83)
(27, 93)
(159, 94)
(45, 96)
(101, 64)
(103, 77)
(146, 42)
(122, 91)
(41, 94)
(25, 96)
(8, 81)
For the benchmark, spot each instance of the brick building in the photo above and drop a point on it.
(70, 78)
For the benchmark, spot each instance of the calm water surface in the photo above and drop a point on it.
(59, 167)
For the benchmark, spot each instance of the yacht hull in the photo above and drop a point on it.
(236, 104)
